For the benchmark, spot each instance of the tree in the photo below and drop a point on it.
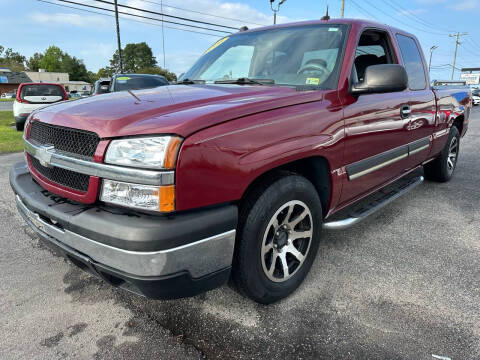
(92, 77)
(55, 60)
(33, 63)
(12, 59)
(170, 76)
(135, 57)
(104, 72)
(75, 68)
(52, 59)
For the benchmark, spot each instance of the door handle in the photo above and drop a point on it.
(405, 111)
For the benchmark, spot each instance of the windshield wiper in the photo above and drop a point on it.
(190, 82)
(246, 81)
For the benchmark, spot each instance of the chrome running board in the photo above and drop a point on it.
(367, 210)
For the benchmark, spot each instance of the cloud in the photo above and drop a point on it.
(78, 20)
(413, 12)
(465, 5)
(459, 5)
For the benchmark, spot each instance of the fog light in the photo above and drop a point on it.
(144, 197)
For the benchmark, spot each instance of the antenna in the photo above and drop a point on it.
(326, 17)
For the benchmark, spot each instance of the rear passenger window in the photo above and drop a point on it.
(413, 62)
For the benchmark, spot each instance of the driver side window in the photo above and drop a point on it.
(374, 48)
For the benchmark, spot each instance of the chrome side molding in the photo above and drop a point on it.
(49, 157)
(373, 207)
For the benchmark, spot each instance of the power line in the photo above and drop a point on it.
(129, 19)
(144, 17)
(416, 18)
(399, 21)
(365, 12)
(203, 13)
(166, 15)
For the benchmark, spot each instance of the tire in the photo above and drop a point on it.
(19, 126)
(442, 168)
(261, 240)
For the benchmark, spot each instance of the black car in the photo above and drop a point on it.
(122, 82)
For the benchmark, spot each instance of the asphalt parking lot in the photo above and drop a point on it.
(404, 284)
(6, 105)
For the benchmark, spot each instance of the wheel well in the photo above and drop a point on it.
(315, 169)
(458, 123)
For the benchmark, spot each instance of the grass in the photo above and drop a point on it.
(10, 139)
(7, 100)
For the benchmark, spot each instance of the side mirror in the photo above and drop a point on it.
(381, 79)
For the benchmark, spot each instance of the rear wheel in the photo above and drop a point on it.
(442, 168)
(279, 234)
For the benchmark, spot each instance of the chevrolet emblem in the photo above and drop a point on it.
(44, 155)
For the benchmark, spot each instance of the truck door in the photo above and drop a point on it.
(421, 101)
(376, 147)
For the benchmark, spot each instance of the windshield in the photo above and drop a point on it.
(298, 56)
(137, 82)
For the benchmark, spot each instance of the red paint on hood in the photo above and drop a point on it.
(175, 109)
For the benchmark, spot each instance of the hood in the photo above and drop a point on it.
(174, 109)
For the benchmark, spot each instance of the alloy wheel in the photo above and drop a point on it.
(452, 155)
(286, 241)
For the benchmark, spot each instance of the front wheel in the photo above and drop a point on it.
(279, 236)
(441, 169)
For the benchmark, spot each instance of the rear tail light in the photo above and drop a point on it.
(20, 100)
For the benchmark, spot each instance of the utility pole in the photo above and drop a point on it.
(457, 42)
(342, 9)
(163, 36)
(120, 63)
(431, 52)
(275, 10)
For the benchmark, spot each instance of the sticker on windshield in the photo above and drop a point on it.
(312, 81)
(333, 29)
(219, 42)
(123, 78)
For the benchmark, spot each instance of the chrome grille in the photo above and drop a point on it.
(61, 176)
(77, 142)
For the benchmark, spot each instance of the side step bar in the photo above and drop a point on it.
(369, 209)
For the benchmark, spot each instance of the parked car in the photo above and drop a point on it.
(273, 135)
(476, 96)
(8, 95)
(123, 82)
(31, 96)
(101, 86)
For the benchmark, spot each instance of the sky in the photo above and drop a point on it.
(30, 26)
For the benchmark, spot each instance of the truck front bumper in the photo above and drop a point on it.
(155, 256)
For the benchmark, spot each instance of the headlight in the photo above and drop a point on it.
(158, 152)
(145, 197)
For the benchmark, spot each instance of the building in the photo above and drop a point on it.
(471, 76)
(78, 86)
(43, 76)
(10, 80)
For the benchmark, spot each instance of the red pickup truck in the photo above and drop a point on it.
(235, 170)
